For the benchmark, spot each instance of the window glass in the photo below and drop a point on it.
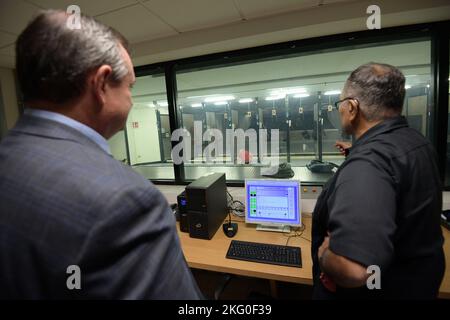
(3, 128)
(291, 94)
(146, 138)
(447, 169)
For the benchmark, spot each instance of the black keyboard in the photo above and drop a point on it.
(265, 253)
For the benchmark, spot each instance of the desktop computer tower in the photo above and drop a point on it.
(206, 205)
(182, 210)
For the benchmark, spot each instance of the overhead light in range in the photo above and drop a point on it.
(246, 100)
(301, 95)
(219, 98)
(286, 91)
(332, 92)
(277, 97)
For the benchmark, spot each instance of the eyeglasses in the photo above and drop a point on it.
(337, 103)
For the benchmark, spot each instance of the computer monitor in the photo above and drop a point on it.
(274, 205)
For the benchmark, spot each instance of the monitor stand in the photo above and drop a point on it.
(280, 228)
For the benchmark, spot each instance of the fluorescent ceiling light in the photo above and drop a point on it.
(220, 103)
(278, 97)
(219, 98)
(245, 100)
(192, 97)
(196, 105)
(301, 95)
(332, 92)
(162, 103)
(287, 91)
(407, 87)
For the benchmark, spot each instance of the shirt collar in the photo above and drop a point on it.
(382, 127)
(84, 129)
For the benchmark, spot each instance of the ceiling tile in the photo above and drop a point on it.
(88, 7)
(137, 24)
(194, 14)
(6, 38)
(260, 8)
(15, 15)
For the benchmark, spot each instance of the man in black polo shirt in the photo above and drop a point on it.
(382, 207)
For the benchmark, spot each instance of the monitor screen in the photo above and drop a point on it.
(273, 202)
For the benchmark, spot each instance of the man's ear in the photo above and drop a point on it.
(100, 81)
(353, 109)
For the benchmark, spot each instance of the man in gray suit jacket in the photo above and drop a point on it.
(74, 222)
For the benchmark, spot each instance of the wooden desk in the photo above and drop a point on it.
(210, 255)
(444, 291)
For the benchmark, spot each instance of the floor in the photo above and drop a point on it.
(246, 288)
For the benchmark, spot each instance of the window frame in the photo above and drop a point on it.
(437, 33)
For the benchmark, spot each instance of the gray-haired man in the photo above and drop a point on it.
(64, 200)
(382, 207)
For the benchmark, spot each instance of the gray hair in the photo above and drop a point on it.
(379, 88)
(53, 60)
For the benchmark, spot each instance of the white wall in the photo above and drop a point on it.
(117, 146)
(9, 96)
(143, 136)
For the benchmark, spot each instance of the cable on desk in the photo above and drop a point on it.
(298, 232)
(309, 240)
(236, 207)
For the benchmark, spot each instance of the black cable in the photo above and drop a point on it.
(309, 240)
(238, 208)
(289, 238)
(239, 202)
(298, 232)
(230, 200)
(231, 205)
